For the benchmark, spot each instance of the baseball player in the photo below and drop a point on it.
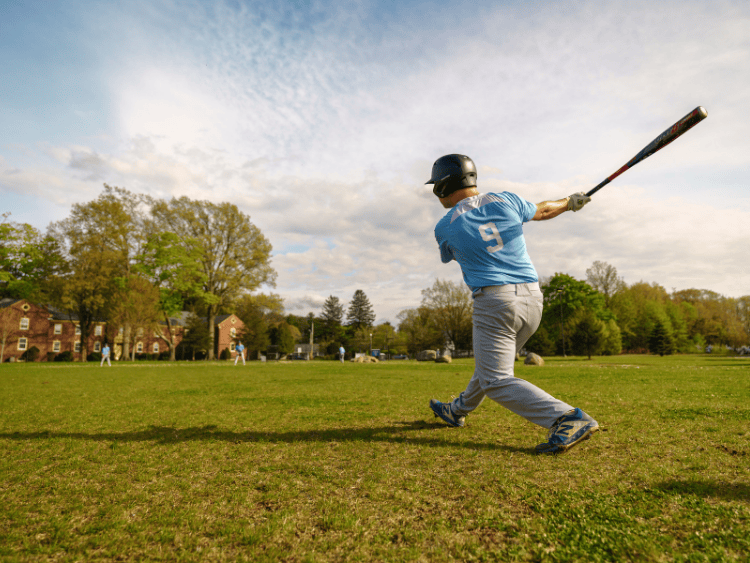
(239, 353)
(483, 233)
(342, 353)
(105, 356)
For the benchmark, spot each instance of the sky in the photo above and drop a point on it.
(321, 121)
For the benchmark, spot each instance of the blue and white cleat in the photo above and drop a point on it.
(443, 410)
(570, 429)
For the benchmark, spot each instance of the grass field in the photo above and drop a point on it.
(345, 462)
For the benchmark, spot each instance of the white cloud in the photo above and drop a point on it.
(324, 131)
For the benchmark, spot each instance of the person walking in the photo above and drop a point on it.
(483, 232)
(105, 356)
(342, 353)
(239, 353)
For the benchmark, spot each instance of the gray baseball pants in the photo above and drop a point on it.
(505, 317)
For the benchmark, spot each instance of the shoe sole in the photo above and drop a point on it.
(583, 438)
(562, 449)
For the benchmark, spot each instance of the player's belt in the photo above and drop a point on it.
(517, 288)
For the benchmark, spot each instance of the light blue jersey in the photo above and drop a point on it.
(484, 235)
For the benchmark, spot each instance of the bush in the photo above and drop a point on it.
(66, 356)
(31, 354)
(225, 354)
(94, 357)
(164, 357)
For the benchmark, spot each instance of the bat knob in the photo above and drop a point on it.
(702, 112)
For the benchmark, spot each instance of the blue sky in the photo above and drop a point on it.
(322, 120)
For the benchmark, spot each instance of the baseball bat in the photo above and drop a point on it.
(682, 126)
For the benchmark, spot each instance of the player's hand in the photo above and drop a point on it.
(577, 201)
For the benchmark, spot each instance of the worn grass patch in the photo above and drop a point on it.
(343, 462)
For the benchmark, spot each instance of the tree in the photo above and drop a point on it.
(360, 312)
(282, 336)
(136, 304)
(452, 308)
(258, 313)
(100, 240)
(419, 330)
(603, 277)
(173, 266)
(660, 340)
(564, 296)
(196, 336)
(332, 315)
(29, 262)
(235, 256)
(588, 334)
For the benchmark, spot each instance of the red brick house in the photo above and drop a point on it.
(226, 330)
(24, 325)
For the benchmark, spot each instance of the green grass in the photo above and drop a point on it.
(345, 462)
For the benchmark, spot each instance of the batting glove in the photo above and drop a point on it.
(577, 201)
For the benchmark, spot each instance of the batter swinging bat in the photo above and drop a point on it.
(690, 120)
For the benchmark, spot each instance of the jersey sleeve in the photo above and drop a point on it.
(526, 210)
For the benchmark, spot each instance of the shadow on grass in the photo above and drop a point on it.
(398, 432)
(705, 488)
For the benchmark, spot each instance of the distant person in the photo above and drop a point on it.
(483, 233)
(342, 353)
(240, 353)
(105, 356)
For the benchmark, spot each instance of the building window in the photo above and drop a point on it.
(121, 331)
(98, 330)
(156, 348)
(58, 328)
(231, 346)
(139, 348)
(97, 346)
(24, 324)
(77, 346)
(56, 346)
(233, 332)
(78, 329)
(23, 343)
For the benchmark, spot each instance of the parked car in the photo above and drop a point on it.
(401, 357)
(298, 357)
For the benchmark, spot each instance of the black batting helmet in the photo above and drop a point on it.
(451, 173)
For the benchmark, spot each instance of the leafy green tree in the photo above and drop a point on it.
(99, 241)
(588, 333)
(196, 337)
(541, 343)
(174, 268)
(282, 336)
(360, 312)
(564, 296)
(452, 308)
(419, 331)
(29, 262)
(135, 303)
(234, 254)
(612, 342)
(258, 313)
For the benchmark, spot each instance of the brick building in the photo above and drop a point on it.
(24, 325)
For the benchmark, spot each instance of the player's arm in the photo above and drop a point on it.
(551, 209)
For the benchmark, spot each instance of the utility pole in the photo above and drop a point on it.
(312, 333)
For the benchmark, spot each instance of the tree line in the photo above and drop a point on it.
(138, 261)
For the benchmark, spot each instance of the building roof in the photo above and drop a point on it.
(8, 301)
